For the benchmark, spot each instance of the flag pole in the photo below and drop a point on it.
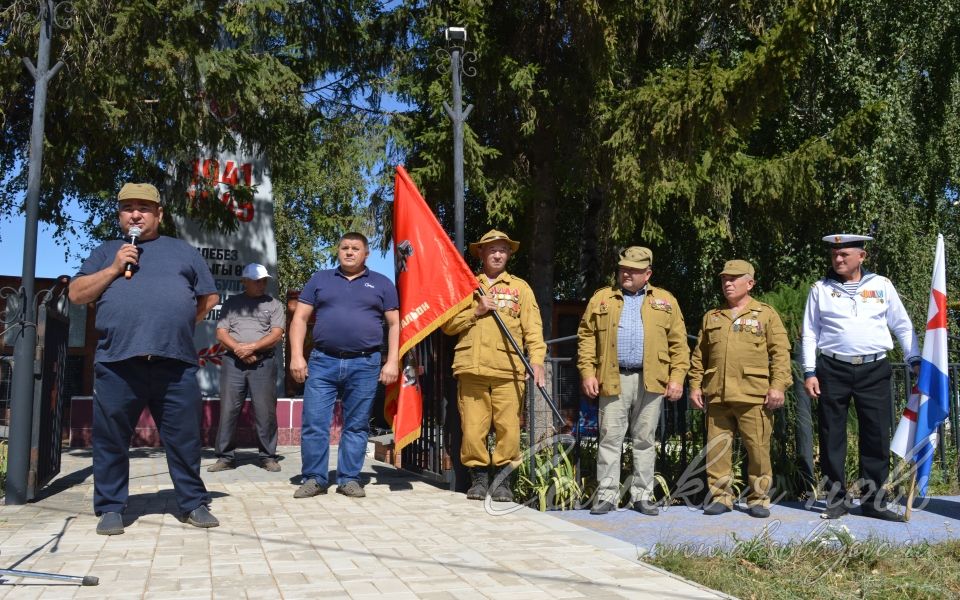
(913, 488)
(526, 363)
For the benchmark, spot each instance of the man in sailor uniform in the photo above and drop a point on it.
(848, 318)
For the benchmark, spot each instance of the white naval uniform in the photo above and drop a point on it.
(857, 325)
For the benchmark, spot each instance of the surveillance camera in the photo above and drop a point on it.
(456, 34)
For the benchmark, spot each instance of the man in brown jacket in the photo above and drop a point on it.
(632, 354)
(740, 369)
(491, 376)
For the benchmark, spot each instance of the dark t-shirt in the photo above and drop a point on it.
(349, 314)
(154, 311)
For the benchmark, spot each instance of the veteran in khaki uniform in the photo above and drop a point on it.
(740, 370)
(632, 354)
(491, 376)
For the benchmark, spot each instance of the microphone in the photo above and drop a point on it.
(134, 233)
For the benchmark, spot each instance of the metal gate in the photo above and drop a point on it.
(53, 331)
(436, 453)
(49, 369)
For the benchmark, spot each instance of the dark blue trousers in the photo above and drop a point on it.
(120, 391)
(868, 385)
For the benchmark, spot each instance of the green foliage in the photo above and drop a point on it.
(789, 302)
(149, 85)
(554, 481)
(707, 133)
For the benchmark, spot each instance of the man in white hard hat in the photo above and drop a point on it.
(250, 326)
(848, 319)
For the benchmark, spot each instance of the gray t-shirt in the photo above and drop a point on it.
(153, 312)
(248, 319)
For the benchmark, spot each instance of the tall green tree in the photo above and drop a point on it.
(149, 85)
(705, 131)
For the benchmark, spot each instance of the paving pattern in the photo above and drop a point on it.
(407, 539)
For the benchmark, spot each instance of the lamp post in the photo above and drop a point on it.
(456, 40)
(24, 375)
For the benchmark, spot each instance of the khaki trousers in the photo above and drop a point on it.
(754, 423)
(484, 401)
(637, 411)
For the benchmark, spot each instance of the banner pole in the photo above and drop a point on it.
(913, 488)
(526, 363)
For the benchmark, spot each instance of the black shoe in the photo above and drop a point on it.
(479, 483)
(502, 493)
(716, 508)
(111, 523)
(201, 517)
(602, 508)
(835, 511)
(646, 508)
(884, 514)
(759, 512)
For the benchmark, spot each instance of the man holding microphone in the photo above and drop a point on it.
(149, 296)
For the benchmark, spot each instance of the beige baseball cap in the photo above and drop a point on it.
(139, 191)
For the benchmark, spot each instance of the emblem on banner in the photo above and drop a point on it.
(401, 254)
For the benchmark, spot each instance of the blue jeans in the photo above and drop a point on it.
(354, 381)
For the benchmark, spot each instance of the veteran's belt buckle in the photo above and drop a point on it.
(856, 360)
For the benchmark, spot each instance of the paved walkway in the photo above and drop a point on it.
(406, 539)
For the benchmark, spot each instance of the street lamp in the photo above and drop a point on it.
(21, 406)
(456, 41)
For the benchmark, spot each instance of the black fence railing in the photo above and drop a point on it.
(681, 434)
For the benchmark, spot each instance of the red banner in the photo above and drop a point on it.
(433, 283)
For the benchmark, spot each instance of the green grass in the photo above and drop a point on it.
(835, 565)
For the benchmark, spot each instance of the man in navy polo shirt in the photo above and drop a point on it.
(352, 303)
(150, 296)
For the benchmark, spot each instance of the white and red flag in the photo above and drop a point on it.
(929, 404)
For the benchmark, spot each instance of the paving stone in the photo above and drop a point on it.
(413, 541)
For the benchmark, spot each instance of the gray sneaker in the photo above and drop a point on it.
(351, 489)
(111, 523)
(270, 464)
(222, 464)
(310, 488)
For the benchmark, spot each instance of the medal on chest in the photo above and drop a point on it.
(661, 305)
(507, 300)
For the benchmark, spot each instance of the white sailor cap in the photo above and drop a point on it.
(846, 240)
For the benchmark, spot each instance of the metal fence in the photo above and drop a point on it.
(682, 428)
(6, 389)
(681, 433)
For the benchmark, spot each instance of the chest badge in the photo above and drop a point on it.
(661, 304)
